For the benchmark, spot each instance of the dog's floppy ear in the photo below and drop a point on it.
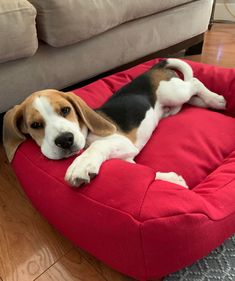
(95, 122)
(13, 130)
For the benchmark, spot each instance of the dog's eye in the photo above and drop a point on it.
(36, 125)
(64, 111)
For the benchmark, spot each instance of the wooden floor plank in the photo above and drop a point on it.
(219, 46)
(71, 267)
(29, 245)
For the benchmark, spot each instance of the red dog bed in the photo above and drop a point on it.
(142, 227)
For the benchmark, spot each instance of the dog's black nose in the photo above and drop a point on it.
(64, 140)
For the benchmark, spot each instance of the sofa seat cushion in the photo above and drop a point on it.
(64, 22)
(143, 227)
(18, 36)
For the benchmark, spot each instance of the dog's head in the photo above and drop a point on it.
(57, 121)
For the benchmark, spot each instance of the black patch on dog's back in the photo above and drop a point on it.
(128, 106)
(127, 111)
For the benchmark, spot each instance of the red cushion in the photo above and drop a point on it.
(139, 226)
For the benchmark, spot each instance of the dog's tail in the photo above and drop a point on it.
(177, 64)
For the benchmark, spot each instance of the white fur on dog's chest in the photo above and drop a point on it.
(147, 126)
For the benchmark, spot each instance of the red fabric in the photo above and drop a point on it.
(142, 227)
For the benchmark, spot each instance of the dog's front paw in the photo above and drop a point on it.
(82, 171)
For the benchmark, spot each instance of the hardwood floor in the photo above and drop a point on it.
(219, 46)
(71, 267)
(30, 249)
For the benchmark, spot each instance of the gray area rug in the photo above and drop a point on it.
(219, 265)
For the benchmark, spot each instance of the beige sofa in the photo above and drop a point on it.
(57, 43)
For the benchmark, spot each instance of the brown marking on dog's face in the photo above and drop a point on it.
(32, 117)
(25, 119)
(34, 122)
(48, 114)
(62, 106)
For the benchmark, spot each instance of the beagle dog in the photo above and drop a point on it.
(62, 123)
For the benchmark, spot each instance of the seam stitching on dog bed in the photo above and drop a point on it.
(219, 189)
(204, 181)
(142, 203)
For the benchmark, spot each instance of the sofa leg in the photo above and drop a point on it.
(195, 49)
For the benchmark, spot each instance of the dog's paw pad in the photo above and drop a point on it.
(92, 175)
(76, 181)
(82, 171)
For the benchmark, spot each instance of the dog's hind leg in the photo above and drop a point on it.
(176, 92)
(206, 98)
(171, 177)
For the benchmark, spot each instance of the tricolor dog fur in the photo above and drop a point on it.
(62, 123)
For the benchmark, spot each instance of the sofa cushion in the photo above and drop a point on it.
(62, 67)
(18, 28)
(64, 22)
